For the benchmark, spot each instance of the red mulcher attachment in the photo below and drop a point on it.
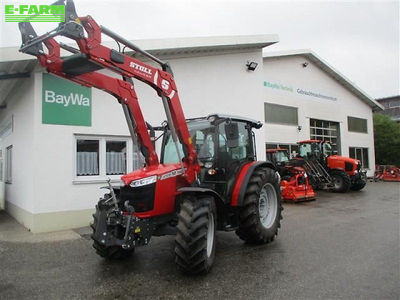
(294, 185)
(391, 173)
(298, 188)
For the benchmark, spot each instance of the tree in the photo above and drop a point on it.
(387, 140)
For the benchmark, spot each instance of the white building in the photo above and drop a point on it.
(50, 184)
(306, 98)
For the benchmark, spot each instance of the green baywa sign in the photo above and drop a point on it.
(34, 13)
(65, 103)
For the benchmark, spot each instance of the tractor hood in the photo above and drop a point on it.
(349, 165)
(343, 158)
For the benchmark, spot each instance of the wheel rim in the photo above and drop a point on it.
(210, 234)
(267, 205)
(337, 181)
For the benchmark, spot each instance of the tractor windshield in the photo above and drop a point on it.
(305, 150)
(309, 150)
(281, 156)
(202, 133)
(327, 149)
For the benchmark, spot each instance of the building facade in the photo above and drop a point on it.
(305, 98)
(60, 142)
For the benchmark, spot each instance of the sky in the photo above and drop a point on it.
(358, 38)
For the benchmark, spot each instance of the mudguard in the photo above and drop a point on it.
(243, 179)
(219, 202)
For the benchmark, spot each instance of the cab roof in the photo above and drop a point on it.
(254, 123)
(310, 141)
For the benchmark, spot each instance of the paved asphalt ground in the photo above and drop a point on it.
(338, 247)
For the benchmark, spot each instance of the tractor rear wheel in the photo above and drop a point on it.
(195, 238)
(358, 185)
(261, 213)
(341, 181)
(110, 252)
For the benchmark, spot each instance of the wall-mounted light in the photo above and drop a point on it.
(305, 64)
(251, 65)
(299, 128)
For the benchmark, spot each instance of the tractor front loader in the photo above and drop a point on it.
(206, 177)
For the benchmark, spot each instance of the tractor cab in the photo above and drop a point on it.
(315, 149)
(279, 157)
(223, 143)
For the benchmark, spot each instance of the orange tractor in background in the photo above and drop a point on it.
(294, 180)
(317, 167)
(329, 170)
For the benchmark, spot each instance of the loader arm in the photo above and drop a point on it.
(84, 66)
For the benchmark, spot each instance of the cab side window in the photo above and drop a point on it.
(242, 148)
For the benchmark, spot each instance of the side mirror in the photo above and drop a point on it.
(232, 134)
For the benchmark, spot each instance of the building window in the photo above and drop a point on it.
(8, 175)
(87, 157)
(357, 124)
(280, 114)
(361, 154)
(326, 131)
(293, 149)
(104, 157)
(115, 157)
(137, 158)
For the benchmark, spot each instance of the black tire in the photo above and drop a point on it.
(341, 181)
(113, 252)
(192, 237)
(251, 228)
(358, 185)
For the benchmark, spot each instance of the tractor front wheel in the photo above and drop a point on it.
(358, 185)
(260, 215)
(195, 238)
(341, 181)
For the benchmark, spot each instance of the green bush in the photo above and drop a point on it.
(387, 140)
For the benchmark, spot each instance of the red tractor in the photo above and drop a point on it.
(295, 185)
(339, 173)
(207, 177)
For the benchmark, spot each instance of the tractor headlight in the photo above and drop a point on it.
(143, 181)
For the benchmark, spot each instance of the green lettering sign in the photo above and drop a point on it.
(65, 103)
(34, 13)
